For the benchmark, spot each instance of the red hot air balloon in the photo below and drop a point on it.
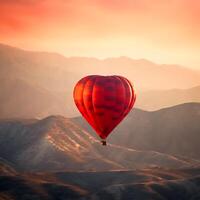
(104, 101)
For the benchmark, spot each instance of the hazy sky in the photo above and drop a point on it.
(164, 31)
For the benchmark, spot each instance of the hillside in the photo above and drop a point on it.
(174, 130)
(6, 168)
(146, 184)
(57, 143)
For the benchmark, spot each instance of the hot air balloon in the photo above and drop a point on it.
(104, 101)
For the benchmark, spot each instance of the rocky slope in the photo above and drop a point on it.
(57, 143)
(174, 130)
(146, 184)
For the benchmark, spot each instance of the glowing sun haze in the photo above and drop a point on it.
(164, 31)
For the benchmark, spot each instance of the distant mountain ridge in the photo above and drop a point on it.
(157, 99)
(21, 99)
(47, 80)
(52, 66)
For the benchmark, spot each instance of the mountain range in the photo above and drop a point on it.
(61, 158)
(41, 83)
(164, 138)
(49, 152)
(56, 72)
(173, 130)
(57, 143)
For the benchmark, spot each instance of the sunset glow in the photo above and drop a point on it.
(164, 31)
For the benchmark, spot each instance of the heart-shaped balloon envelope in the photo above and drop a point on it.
(104, 101)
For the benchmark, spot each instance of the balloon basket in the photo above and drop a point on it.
(103, 142)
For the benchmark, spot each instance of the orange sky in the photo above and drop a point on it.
(164, 31)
